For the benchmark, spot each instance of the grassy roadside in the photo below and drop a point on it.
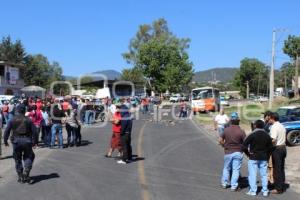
(248, 112)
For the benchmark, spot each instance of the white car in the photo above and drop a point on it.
(224, 102)
(262, 99)
(175, 98)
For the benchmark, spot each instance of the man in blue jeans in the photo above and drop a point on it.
(232, 140)
(57, 116)
(257, 147)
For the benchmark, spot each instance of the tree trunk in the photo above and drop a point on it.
(296, 90)
(258, 85)
(247, 90)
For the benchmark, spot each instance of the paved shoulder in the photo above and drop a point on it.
(183, 162)
(76, 173)
(175, 161)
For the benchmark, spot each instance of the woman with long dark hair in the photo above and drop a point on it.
(36, 118)
(72, 126)
(115, 142)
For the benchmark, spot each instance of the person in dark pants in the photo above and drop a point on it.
(278, 135)
(257, 147)
(183, 109)
(36, 118)
(126, 127)
(78, 136)
(267, 128)
(22, 133)
(46, 127)
(57, 116)
(69, 134)
(72, 127)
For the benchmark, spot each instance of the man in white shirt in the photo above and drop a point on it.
(220, 121)
(112, 109)
(278, 135)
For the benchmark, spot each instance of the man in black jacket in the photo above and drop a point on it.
(22, 133)
(126, 128)
(257, 147)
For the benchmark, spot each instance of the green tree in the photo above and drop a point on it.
(134, 75)
(161, 56)
(86, 84)
(256, 73)
(54, 72)
(86, 79)
(292, 49)
(225, 86)
(38, 71)
(12, 51)
(286, 74)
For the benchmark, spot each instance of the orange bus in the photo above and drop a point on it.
(205, 99)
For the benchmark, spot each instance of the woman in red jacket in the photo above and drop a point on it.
(116, 129)
(36, 118)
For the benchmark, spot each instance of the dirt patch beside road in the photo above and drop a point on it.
(292, 169)
(292, 165)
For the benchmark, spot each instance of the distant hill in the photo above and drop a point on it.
(110, 74)
(68, 78)
(219, 74)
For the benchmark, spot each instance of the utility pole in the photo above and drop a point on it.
(285, 85)
(296, 91)
(247, 83)
(271, 89)
(258, 87)
(212, 78)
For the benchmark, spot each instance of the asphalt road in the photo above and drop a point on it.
(174, 161)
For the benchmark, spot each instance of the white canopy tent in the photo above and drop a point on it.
(34, 91)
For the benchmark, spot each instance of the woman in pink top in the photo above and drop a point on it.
(36, 118)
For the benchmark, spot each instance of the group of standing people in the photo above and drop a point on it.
(30, 117)
(264, 144)
(49, 117)
(121, 132)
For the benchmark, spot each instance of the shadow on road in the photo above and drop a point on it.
(40, 178)
(136, 159)
(85, 143)
(6, 157)
(243, 182)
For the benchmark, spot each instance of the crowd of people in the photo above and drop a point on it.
(33, 123)
(25, 118)
(264, 146)
(48, 116)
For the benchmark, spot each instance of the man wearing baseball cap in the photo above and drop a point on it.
(232, 141)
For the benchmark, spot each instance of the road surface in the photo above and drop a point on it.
(176, 160)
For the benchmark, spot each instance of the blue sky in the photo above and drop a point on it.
(90, 35)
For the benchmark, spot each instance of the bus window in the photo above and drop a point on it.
(202, 94)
